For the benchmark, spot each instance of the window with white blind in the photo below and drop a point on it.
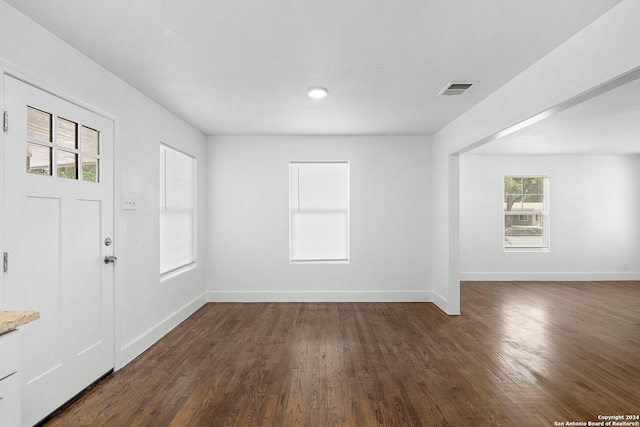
(177, 209)
(319, 212)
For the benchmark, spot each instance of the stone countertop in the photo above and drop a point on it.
(10, 320)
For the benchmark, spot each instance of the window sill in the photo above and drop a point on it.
(312, 261)
(167, 275)
(526, 250)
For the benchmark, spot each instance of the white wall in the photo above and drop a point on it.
(390, 216)
(594, 227)
(603, 50)
(146, 307)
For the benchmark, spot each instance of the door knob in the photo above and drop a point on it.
(110, 259)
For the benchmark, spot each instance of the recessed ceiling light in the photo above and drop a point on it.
(317, 92)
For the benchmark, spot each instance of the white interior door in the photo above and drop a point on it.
(58, 178)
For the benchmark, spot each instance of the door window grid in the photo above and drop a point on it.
(52, 140)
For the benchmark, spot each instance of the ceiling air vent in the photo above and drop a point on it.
(456, 88)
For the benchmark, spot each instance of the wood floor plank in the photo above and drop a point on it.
(522, 353)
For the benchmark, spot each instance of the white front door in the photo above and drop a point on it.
(58, 178)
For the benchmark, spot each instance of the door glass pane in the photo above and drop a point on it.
(67, 133)
(89, 140)
(38, 159)
(38, 125)
(90, 169)
(67, 165)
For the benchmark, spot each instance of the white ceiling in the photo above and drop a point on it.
(606, 124)
(243, 66)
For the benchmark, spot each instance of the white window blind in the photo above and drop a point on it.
(177, 209)
(319, 211)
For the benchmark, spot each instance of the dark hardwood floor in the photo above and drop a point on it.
(521, 354)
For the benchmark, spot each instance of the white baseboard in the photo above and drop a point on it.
(400, 296)
(440, 301)
(563, 276)
(443, 304)
(137, 346)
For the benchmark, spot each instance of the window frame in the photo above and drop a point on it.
(543, 213)
(347, 210)
(179, 267)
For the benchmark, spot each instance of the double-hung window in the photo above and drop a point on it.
(319, 212)
(526, 212)
(177, 209)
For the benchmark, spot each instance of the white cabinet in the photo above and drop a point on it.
(10, 401)
(9, 380)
